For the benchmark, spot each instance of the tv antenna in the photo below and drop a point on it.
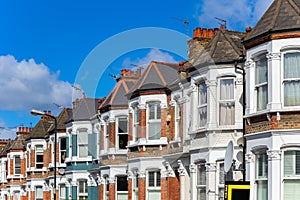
(223, 22)
(186, 23)
(80, 90)
(114, 76)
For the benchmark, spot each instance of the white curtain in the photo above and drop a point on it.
(292, 82)
(227, 105)
(202, 103)
(261, 79)
(82, 144)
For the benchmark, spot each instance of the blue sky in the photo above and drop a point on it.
(43, 44)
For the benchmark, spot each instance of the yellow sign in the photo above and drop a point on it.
(237, 190)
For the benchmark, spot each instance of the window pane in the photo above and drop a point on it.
(63, 143)
(226, 89)
(262, 190)
(151, 179)
(292, 93)
(122, 125)
(289, 163)
(157, 179)
(201, 193)
(262, 165)
(123, 139)
(202, 116)
(262, 97)
(202, 98)
(291, 189)
(227, 113)
(151, 111)
(82, 138)
(83, 151)
(261, 71)
(122, 183)
(39, 148)
(292, 65)
(62, 191)
(154, 130)
(39, 192)
(201, 177)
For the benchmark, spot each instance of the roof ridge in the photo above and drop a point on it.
(160, 75)
(145, 74)
(273, 21)
(296, 8)
(236, 49)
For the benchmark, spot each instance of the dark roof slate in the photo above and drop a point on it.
(85, 109)
(281, 16)
(63, 116)
(40, 130)
(226, 46)
(18, 143)
(158, 75)
(117, 95)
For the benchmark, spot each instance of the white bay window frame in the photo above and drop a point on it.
(82, 142)
(261, 175)
(226, 102)
(291, 78)
(261, 82)
(121, 132)
(202, 104)
(153, 120)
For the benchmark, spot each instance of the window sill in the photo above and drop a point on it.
(145, 142)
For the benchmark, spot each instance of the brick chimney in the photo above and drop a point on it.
(182, 73)
(201, 37)
(21, 130)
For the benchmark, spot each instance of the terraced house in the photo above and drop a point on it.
(162, 133)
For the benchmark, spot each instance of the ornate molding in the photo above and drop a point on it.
(239, 81)
(211, 83)
(163, 105)
(274, 154)
(249, 64)
(129, 175)
(169, 172)
(249, 158)
(142, 106)
(273, 56)
(111, 180)
(142, 174)
(193, 168)
(211, 167)
(181, 169)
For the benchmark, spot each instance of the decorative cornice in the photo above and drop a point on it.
(142, 174)
(211, 83)
(182, 171)
(249, 64)
(274, 154)
(249, 158)
(273, 56)
(142, 106)
(193, 168)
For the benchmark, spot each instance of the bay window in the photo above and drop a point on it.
(291, 79)
(122, 134)
(262, 176)
(154, 120)
(202, 104)
(261, 82)
(226, 102)
(291, 175)
(153, 185)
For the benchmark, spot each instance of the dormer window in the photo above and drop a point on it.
(291, 79)
(154, 120)
(261, 82)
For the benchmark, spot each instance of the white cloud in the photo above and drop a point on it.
(26, 84)
(6, 133)
(237, 13)
(153, 55)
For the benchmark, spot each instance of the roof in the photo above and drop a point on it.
(282, 16)
(3, 151)
(41, 128)
(225, 47)
(63, 116)
(84, 110)
(18, 143)
(117, 97)
(158, 75)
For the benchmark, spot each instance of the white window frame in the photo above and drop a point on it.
(220, 180)
(226, 101)
(135, 186)
(84, 194)
(62, 195)
(177, 120)
(257, 86)
(291, 177)
(155, 120)
(201, 105)
(17, 195)
(17, 166)
(121, 192)
(285, 80)
(106, 135)
(201, 185)
(82, 132)
(62, 151)
(261, 179)
(39, 153)
(135, 122)
(118, 134)
(36, 197)
(157, 182)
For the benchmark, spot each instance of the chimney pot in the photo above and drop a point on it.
(210, 32)
(204, 30)
(216, 30)
(248, 29)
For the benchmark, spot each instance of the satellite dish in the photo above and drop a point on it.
(61, 171)
(228, 156)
